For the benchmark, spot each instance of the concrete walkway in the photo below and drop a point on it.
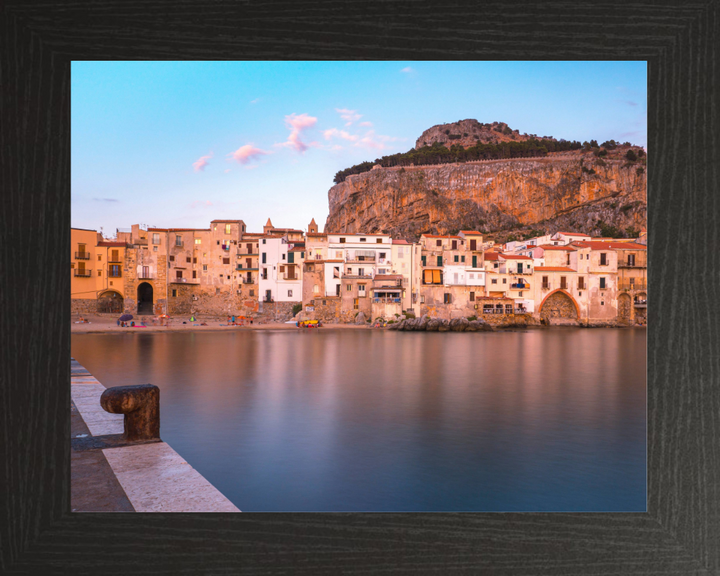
(141, 478)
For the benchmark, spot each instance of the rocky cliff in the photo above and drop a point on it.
(571, 190)
(469, 132)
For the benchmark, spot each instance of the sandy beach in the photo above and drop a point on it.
(108, 323)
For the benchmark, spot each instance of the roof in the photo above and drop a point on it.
(553, 269)
(387, 277)
(113, 244)
(574, 234)
(471, 232)
(178, 229)
(84, 229)
(313, 222)
(231, 221)
(319, 234)
(437, 236)
(551, 247)
(340, 260)
(492, 255)
(357, 234)
(514, 257)
(400, 242)
(269, 223)
(297, 249)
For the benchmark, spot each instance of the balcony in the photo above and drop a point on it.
(381, 283)
(521, 286)
(83, 273)
(180, 244)
(147, 276)
(627, 287)
(184, 281)
(387, 300)
(241, 269)
(358, 276)
(82, 255)
(633, 265)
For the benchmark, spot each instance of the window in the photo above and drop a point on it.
(382, 254)
(631, 260)
(568, 259)
(226, 260)
(361, 271)
(496, 265)
(99, 272)
(178, 273)
(228, 228)
(545, 282)
(363, 239)
(349, 287)
(602, 283)
(438, 243)
(316, 289)
(504, 280)
(249, 248)
(342, 240)
(264, 257)
(462, 258)
(439, 261)
(447, 298)
(422, 299)
(282, 268)
(283, 256)
(473, 244)
(174, 292)
(423, 260)
(263, 240)
(378, 241)
(289, 293)
(356, 303)
(291, 257)
(472, 296)
(172, 258)
(188, 259)
(198, 241)
(252, 292)
(581, 283)
(563, 283)
(154, 248)
(178, 241)
(99, 257)
(454, 244)
(456, 258)
(194, 273)
(156, 238)
(114, 271)
(204, 267)
(361, 289)
(194, 260)
(603, 259)
(493, 281)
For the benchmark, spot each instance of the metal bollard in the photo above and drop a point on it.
(141, 406)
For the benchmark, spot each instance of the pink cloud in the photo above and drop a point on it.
(365, 124)
(199, 203)
(297, 124)
(335, 133)
(244, 154)
(376, 141)
(349, 116)
(200, 163)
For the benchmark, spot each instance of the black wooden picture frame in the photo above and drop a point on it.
(680, 532)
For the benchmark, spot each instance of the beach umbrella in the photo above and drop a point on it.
(125, 317)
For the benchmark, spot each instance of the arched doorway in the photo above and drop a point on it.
(624, 308)
(110, 302)
(558, 306)
(145, 298)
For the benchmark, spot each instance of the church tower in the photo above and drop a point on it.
(312, 227)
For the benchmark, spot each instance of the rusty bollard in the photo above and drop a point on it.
(141, 407)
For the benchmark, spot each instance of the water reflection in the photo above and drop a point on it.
(375, 421)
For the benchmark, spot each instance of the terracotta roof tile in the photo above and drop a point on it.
(553, 269)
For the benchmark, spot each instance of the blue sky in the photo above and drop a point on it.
(178, 144)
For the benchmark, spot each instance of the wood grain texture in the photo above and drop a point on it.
(680, 532)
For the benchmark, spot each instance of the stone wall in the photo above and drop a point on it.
(557, 308)
(275, 312)
(83, 306)
(328, 313)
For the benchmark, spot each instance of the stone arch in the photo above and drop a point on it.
(145, 298)
(624, 308)
(559, 304)
(111, 301)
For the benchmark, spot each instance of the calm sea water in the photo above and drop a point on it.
(356, 420)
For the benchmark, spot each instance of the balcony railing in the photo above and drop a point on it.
(83, 273)
(242, 269)
(82, 255)
(628, 265)
(625, 286)
(180, 244)
(146, 276)
(387, 300)
(521, 286)
(381, 283)
(184, 281)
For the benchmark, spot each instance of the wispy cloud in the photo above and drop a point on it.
(349, 116)
(375, 141)
(368, 124)
(200, 163)
(200, 203)
(298, 123)
(335, 133)
(255, 101)
(105, 200)
(407, 70)
(628, 102)
(246, 153)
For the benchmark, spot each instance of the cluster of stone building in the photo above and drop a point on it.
(225, 270)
